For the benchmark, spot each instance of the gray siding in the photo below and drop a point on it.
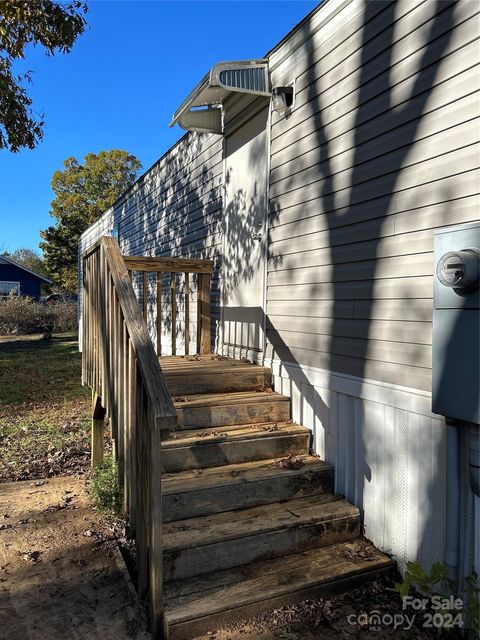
(380, 149)
(174, 209)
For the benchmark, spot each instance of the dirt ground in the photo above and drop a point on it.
(60, 573)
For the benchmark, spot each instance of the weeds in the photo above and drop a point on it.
(437, 583)
(104, 490)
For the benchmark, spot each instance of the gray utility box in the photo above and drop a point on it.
(456, 323)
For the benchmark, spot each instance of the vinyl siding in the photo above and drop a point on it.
(174, 209)
(381, 148)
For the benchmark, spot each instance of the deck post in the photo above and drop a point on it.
(98, 427)
(203, 314)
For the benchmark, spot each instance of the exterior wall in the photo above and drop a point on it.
(381, 148)
(30, 285)
(174, 209)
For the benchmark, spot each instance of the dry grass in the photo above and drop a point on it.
(44, 410)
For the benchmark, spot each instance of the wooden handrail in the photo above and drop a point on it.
(119, 363)
(168, 265)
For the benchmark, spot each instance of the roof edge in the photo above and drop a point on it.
(24, 268)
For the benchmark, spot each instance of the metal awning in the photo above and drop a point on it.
(202, 109)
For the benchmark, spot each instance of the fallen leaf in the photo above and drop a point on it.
(290, 462)
(270, 427)
(30, 556)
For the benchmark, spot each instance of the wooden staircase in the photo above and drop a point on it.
(250, 520)
(230, 513)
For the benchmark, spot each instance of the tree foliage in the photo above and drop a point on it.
(29, 259)
(46, 23)
(82, 193)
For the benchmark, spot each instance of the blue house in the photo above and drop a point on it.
(18, 279)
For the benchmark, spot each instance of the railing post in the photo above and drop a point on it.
(155, 533)
(159, 314)
(131, 398)
(173, 289)
(145, 295)
(203, 314)
(187, 312)
(98, 427)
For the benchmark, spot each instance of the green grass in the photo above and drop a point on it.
(54, 365)
(44, 410)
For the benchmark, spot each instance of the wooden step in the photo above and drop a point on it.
(208, 602)
(169, 363)
(189, 494)
(201, 448)
(203, 545)
(244, 407)
(223, 376)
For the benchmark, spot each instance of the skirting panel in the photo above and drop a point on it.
(389, 461)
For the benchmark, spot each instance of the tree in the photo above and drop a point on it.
(83, 192)
(43, 22)
(29, 259)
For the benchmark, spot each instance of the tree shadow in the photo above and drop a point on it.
(343, 207)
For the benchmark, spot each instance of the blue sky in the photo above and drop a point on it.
(120, 85)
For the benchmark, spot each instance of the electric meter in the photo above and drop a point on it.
(459, 269)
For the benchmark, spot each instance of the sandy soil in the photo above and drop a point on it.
(60, 574)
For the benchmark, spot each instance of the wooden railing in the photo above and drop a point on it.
(120, 365)
(173, 266)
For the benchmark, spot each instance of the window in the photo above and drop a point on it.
(7, 288)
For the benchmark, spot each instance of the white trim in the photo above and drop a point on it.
(222, 296)
(409, 399)
(267, 218)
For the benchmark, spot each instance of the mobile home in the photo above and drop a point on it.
(320, 180)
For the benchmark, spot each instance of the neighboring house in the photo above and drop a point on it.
(18, 280)
(321, 219)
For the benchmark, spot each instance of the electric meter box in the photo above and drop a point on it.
(456, 323)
